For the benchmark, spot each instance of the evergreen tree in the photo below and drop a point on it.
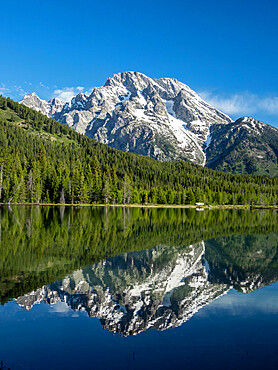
(190, 197)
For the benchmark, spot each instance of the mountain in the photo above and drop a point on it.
(245, 146)
(44, 161)
(49, 108)
(165, 119)
(162, 118)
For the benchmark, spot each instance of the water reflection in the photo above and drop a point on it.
(134, 269)
(165, 286)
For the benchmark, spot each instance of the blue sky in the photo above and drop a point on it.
(225, 50)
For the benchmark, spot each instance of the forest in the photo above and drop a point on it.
(43, 161)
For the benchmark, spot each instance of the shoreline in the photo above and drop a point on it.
(185, 206)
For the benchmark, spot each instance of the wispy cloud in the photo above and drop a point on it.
(241, 103)
(67, 93)
(16, 92)
(12, 90)
(270, 105)
(43, 85)
(243, 304)
(4, 90)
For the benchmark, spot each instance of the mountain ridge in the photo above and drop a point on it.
(165, 119)
(162, 118)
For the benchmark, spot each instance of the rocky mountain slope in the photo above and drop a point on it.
(244, 146)
(162, 118)
(165, 119)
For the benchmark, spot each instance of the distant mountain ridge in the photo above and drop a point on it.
(165, 119)
(246, 146)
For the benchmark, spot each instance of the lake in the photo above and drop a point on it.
(133, 288)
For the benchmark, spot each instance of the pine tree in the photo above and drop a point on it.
(96, 181)
(161, 197)
(106, 188)
(170, 197)
(190, 197)
(114, 185)
(127, 189)
(37, 182)
(89, 182)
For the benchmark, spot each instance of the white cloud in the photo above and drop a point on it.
(88, 90)
(241, 103)
(59, 307)
(64, 95)
(67, 93)
(270, 105)
(231, 104)
(20, 90)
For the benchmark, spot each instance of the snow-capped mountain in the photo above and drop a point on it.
(162, 118)
(165, 119)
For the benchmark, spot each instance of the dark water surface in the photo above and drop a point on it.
(138, 288)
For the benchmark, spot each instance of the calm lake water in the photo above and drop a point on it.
(138, 288)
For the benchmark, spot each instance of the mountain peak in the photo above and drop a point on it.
(162, 118)
(49, 108)
(250, 123)
(247, 120)
(33, 95)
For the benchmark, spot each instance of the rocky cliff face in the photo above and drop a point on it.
(162, 118)
(49, 108)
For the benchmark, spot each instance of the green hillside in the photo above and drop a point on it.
(43, 161)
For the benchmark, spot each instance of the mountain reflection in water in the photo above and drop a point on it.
(134, 269)
(159, 288)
